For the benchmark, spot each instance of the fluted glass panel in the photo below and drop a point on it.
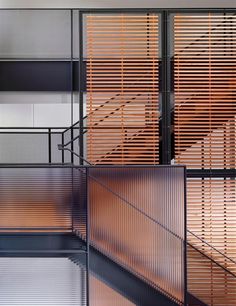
(137, 219)
(41, 281)
(79, 209)
(103, 295)
(36, 199)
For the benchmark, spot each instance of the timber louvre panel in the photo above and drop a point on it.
(122, 88)
(204, 84)
(212, 217)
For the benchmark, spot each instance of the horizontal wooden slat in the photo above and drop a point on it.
(212, 217)
(208, 281)
(122, 88)
(204, 83)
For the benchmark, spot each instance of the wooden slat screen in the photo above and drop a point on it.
(208, 281)
(204, 85)
(122, 52)
(212, 216)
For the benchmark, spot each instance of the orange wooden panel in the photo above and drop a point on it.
(122, 53)
(205, 86)
(212, 216)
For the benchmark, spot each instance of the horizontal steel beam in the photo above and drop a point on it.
(40, 244)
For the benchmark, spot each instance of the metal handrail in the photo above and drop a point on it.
(212, 247)
(146, 215)
(126, 201)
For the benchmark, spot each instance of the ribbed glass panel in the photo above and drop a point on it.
(36, 199)
(79, 209)
(41, 281)
(100, 294)
(122, 54)
(137, 219)
(209, 281)
(204, 84)
(212, 218)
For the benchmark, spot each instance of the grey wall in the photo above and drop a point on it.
(37, 35)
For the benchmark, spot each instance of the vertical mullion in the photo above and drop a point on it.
(87, 190)
(166, 83)
(71, 82)
(49, 146)
(81, 107)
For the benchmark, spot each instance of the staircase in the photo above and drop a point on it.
(45, 215)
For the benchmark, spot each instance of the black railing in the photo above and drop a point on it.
(104, 208)
(22, 145)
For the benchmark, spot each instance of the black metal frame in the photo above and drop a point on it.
(60, 244)
(165, 90)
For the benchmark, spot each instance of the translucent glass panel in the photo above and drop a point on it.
(80, 202)
(137, 219)
(204, 87)
(101, 294)
(36, 199)
(41, 281)
(122, 54)
(35, 34)
(23, 148)
(26, 146)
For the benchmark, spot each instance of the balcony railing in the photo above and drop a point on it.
(133, 216)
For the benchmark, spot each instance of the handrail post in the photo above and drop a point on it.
(62, 151)
(49, 146)
(72, 144)
(81, 106)
(86, 173)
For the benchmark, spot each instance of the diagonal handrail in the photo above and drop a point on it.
(211, 259)
(131, 138)
(156, 221)
(99, 121)
(166, 228)
(212, 247)
(186, 47)
(128, 202)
